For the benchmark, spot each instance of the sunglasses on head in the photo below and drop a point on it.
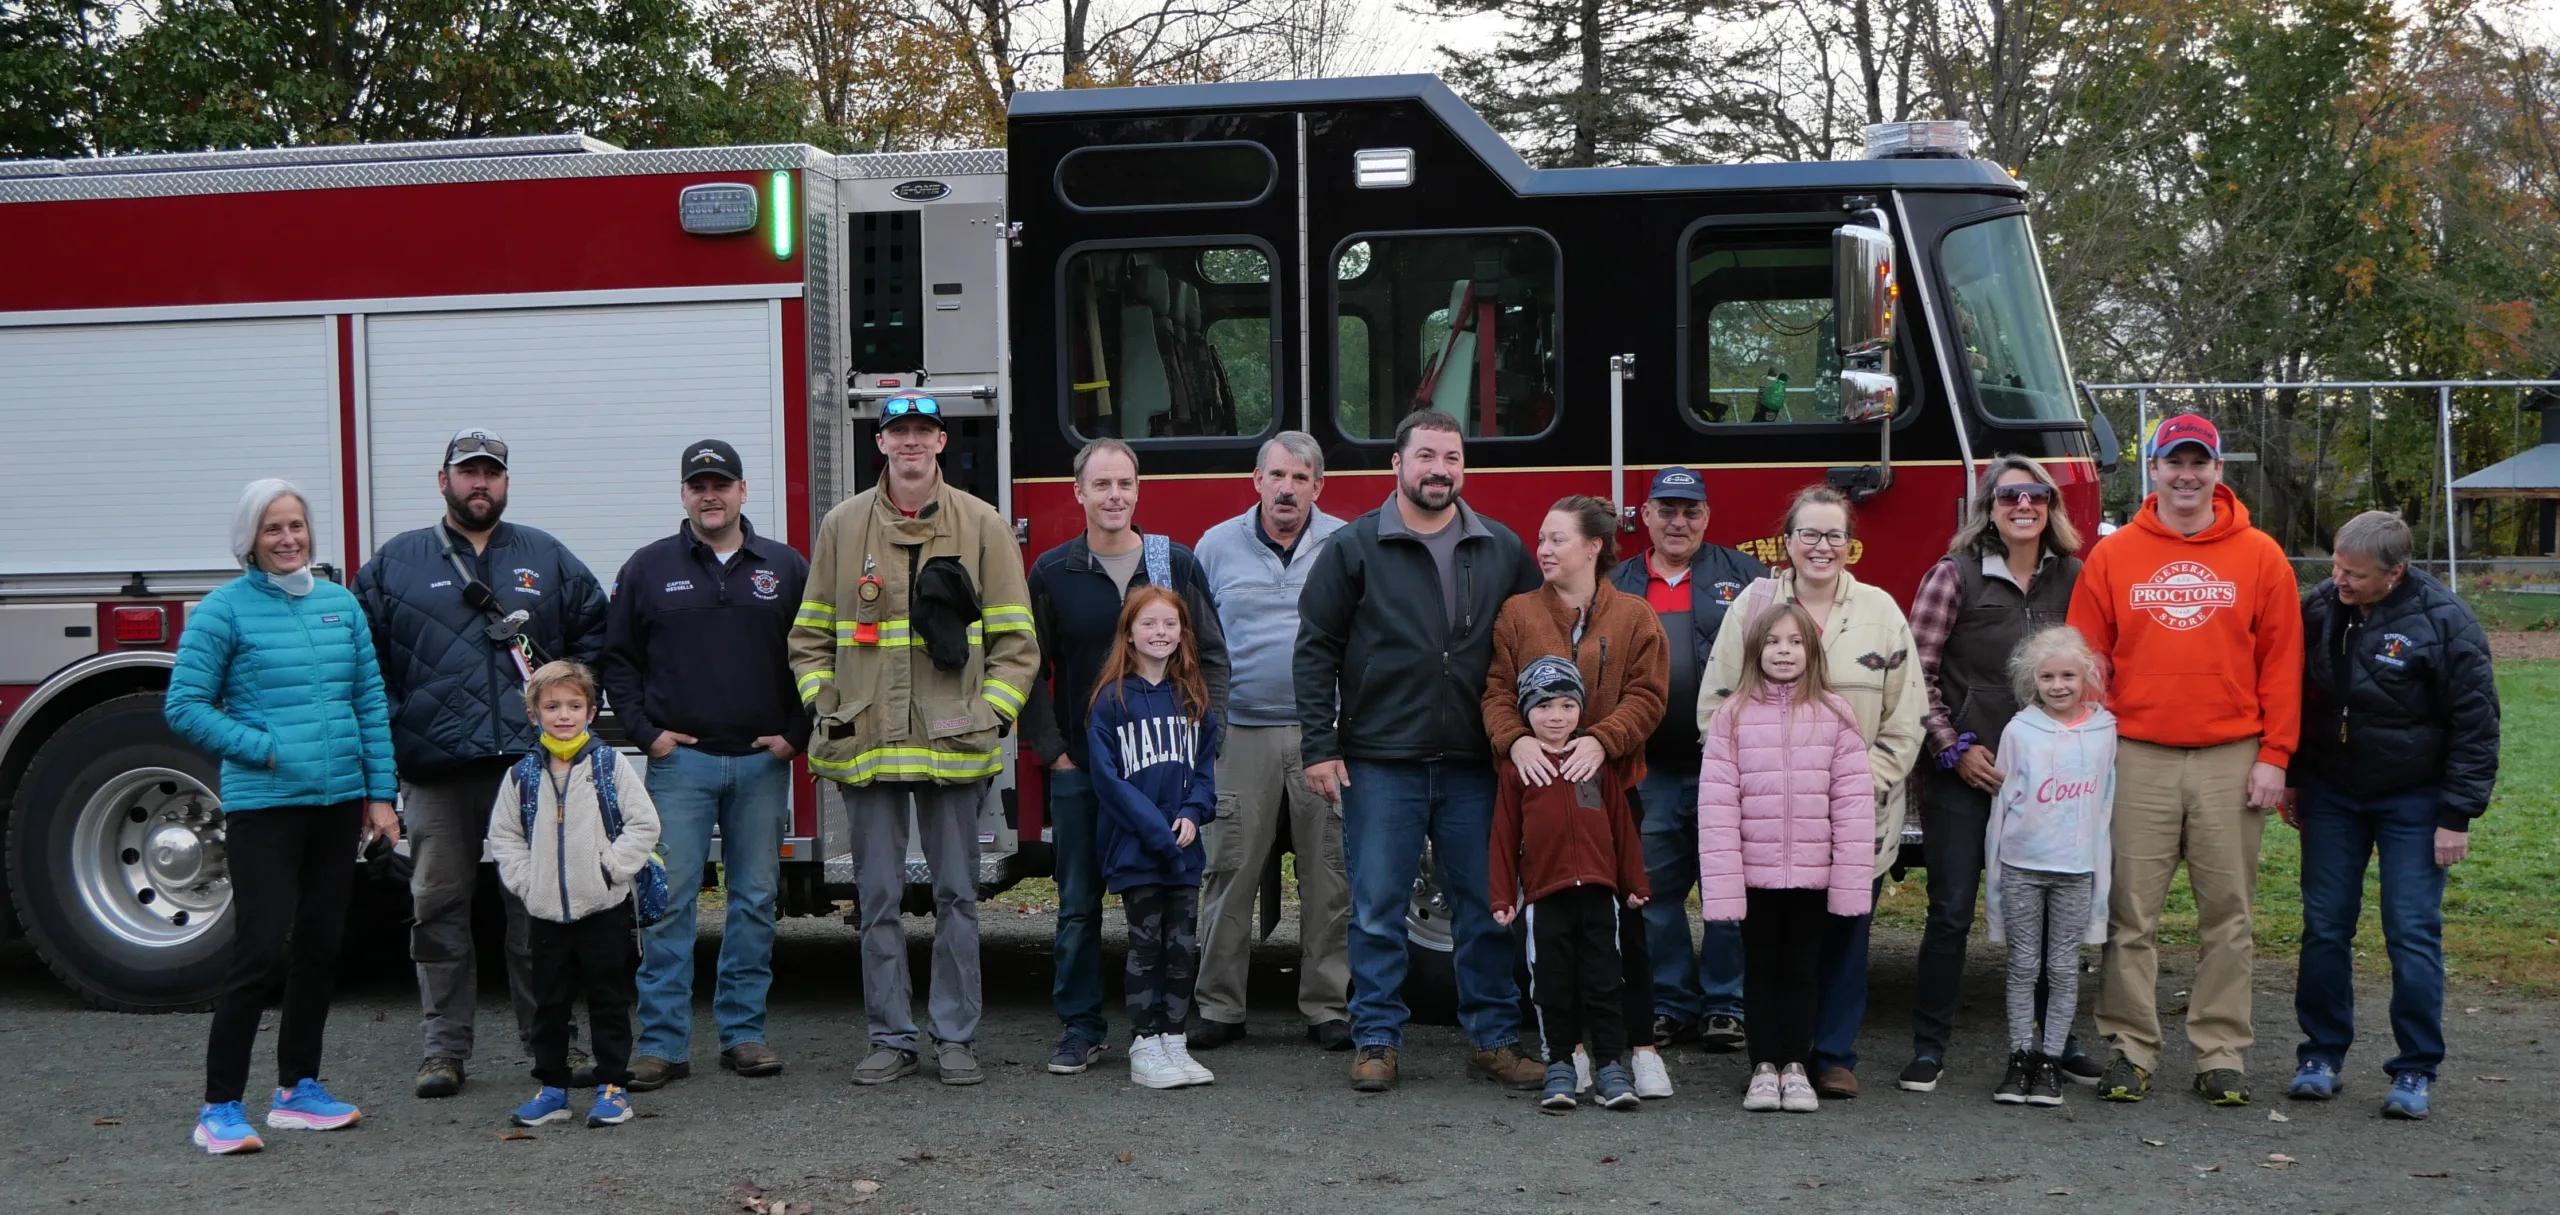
(900, 407)
(474, 445)
(2024, 491)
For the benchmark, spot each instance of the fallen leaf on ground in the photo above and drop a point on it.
(1810, 1185)
(120, 1121)
(2058, 1192)
(2153, 1142)
(515, 1134)
(1124, 1157)
(1608, 1160)
(2277, 1116)
(866, 1186)
(2207, 1168)
(2432, 1176)
(2280, 1158)
(2494, 1079)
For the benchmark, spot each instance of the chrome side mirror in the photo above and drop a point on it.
(1867, 396)
(1862, 289)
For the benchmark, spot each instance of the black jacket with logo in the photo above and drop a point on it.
(1381, 673)
(697, 646)
(2399, 699)
(456, 696)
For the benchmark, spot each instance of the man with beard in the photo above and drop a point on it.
(1395, 634)
(463, 610)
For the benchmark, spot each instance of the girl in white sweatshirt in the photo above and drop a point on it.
(2046, 851)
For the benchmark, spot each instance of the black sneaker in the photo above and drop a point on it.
(2013, 1087)
(1920, 1075)
(1331, 1035)
(2223, 1086)
(2077, 1067)
(1721, 1035)
(1210, 1035)
(1074, 1054)
(1671, 1031)
(2044, 1081)
(2124, 1080)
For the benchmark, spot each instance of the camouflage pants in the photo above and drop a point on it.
(1164, 955)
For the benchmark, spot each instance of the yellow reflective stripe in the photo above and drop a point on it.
(911, 762)
(814, 614)
(809, 684)
(894, 633)
(1003, 697)
(1006, 613)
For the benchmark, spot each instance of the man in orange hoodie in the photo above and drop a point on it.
(2200, 621)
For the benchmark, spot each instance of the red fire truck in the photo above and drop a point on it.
(1191, 269)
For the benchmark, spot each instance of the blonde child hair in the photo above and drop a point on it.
(554, 673)
(2060, 641)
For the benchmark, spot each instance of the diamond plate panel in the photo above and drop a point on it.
(234, 176)
(921, 164)
(824, 371)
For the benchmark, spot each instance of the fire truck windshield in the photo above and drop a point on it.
(2004, 324)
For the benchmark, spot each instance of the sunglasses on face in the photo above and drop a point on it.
(901, 407)
(474, 445)
(2024, 491)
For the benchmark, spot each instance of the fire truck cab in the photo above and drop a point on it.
(1191, 269)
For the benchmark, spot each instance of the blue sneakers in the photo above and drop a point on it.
(1617, 1088)
(2315, 1080)
(309, 1107)
(2407, 1098)
(549, 1105)
(612, 1108)
(223, 1129)
(1560, 1088)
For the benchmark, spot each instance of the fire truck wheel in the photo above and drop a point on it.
(115, 861)
(1431, 975)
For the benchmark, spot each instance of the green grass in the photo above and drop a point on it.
(2514, 612)
(2502, 905)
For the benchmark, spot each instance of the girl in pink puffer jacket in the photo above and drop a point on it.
(1786, 816)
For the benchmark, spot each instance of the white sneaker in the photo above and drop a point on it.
(1653, 1081)
(1178, 1049)
(1151, 1067)
(1762, 1096)
(1581, 1070)
(1796, 1094)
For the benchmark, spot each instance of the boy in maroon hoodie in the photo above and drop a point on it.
(1570, 853)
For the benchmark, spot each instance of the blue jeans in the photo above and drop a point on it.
(1689, 985)
(1842, 975)
(1073, 815)
(1387, 813)
(747, 796)
(2340, 832)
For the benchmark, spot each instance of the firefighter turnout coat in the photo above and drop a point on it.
(884, 710)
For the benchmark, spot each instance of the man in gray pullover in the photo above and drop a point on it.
(1255, 565)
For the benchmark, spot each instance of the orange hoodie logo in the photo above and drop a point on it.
(2184, 595)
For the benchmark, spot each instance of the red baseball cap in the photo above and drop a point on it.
(2182, 429)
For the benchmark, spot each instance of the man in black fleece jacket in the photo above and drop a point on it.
(1395, 635)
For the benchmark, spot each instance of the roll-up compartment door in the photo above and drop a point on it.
(132, 442)
(596, 406)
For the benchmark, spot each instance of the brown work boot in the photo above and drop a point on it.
(650, 1073)
(752, 1059)
(1508, 1065)
(1373, 1069)
(1836, 1082)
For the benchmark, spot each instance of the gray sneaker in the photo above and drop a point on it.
(957, 1062)
(884, 1064)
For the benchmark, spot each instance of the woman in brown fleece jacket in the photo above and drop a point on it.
(1616, 641)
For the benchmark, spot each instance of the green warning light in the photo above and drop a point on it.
(782, 221)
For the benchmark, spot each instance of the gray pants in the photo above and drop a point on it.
(1259, 777)
(947, 815)
(2044, 915)
(446, 819)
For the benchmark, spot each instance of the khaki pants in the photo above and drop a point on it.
(2176, 803)
(1260, 777)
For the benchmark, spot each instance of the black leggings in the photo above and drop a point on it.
(592, 957)
(292, 871)
(1781, 952)
(1164, 955)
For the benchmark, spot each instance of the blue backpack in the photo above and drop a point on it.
(649, 886)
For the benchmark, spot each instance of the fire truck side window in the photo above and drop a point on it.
(1464, 322)
(2004, 324)
(1759, 328)
(1170, 341)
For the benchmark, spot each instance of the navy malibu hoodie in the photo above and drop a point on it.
(1150, 764)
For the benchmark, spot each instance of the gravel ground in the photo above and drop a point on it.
(101, 1119)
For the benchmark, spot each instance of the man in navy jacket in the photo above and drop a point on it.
(695, 662)
(462, 611)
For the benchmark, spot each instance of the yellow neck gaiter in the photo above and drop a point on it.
(565, 749)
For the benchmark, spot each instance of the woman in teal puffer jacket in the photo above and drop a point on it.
(276, 675)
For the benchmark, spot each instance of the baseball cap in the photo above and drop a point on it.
(1678, 482)
(912, 406)
(2182, 429)
(1545, 679)
(710, 457)
(475, 443)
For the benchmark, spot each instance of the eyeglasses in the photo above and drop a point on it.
(1813, 539)
(900, 407)
(475, 445)
(2023, 491)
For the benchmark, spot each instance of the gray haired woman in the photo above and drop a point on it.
(2399, 755)
(276, 676)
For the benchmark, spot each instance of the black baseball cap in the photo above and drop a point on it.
(710, 457)
(912, 405)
